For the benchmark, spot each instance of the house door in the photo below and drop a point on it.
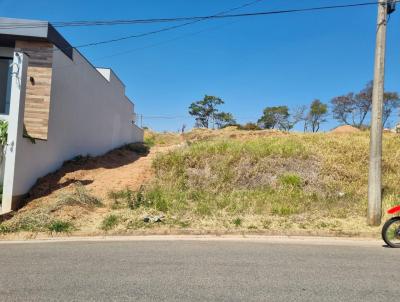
(5, 84)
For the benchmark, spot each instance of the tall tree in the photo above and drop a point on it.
(317, 115)
(352, 109)
(275, 118)
(300, 115)
(342, 108)
(391, 102)
(223, 119)
(205, 110)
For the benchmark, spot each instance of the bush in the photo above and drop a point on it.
(80, 197)
(128, 198)
(59, 226)
(249, 127)
(110, 222)
(4, 229)
(150, 140)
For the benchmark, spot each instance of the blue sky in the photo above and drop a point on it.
(251, 63)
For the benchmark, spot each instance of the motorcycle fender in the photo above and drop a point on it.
(394, 210)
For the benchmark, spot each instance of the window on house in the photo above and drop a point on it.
(5, 84)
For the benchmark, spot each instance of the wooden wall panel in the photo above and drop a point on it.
(38, 87)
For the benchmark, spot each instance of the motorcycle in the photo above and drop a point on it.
(391, 229)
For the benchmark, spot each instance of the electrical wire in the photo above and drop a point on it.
(220, 14)
(183, 19)
(120, 22)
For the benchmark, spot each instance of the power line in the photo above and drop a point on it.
(124, 52)
(220, 14)
(160, 30)
(237, 15)
(121, 22)
(183, 19)
(162, 42)
(226, 15)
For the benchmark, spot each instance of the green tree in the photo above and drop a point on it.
(317, 115)
(249, 127)
(224, 119)
(352, 109)
(276, 118)
(205, 110)
(391, 102)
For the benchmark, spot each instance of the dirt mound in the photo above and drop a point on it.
(346, 129)
(115, 170)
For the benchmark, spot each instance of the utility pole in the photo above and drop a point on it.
(375, 162)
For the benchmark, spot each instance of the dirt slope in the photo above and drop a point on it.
(113, 171)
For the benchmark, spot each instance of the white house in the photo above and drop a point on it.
(52, 95)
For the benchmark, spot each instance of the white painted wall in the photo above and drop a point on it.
(88, 115)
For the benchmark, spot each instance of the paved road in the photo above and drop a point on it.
(198, 271)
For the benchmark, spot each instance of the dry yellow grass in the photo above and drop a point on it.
(258, 180)
(245, 181)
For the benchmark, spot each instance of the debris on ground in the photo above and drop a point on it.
(153, 219)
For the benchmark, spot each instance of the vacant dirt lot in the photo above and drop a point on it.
(225, 181)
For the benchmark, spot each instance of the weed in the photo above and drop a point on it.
(109, 222)
(59, 226)
(138, 201)
(266, 224)
(4, 229)
(237, 222)
(291, 180)
(79, 197)
(283, 210)
(150, 141)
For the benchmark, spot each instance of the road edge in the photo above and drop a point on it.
(306, 240)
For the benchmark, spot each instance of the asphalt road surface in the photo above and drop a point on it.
(198, 271)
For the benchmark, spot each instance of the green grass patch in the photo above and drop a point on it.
(237, 222)
(60, 226)
(291, 180)
(109, 222)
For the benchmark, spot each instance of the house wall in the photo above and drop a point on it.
(38, 86)
(88, 115)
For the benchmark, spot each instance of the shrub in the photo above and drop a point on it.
(59, 226)
(109, 222)
(150, 141)
(79, 197)
(249, 127)
(127, 198)
(4, 229)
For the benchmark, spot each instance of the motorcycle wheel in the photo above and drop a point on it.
(391, 232)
